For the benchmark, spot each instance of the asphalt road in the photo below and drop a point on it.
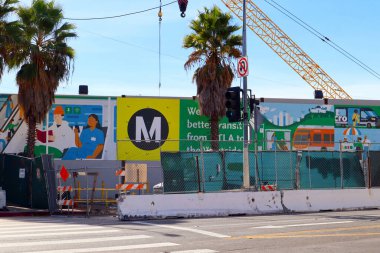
(337, 232)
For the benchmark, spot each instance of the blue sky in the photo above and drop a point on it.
(120, 56)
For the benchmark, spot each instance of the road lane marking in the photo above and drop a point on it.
(198, 231)
(52, 229)
(60, 233)
(306, 224)
(72, 241)
(259, 222)
(112, 248)
(195, 251)
(311, 233)
(267, 236)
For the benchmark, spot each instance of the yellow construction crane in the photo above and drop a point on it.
(287, 49)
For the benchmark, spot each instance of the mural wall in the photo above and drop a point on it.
(138, 128)
(297, 126)
(75, 128)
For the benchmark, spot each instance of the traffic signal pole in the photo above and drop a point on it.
(246, 181)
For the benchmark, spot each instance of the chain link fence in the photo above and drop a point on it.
(200, 169)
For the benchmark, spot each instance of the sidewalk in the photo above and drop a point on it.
(16, 211)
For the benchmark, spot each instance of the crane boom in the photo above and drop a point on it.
(287, 49)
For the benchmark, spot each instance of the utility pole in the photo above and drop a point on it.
(246, 179)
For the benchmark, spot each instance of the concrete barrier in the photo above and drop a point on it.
(249, 203)
(2, 199)
(320, 200)
(198, 204)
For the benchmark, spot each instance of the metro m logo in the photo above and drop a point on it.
(148, 129)
(154, 131)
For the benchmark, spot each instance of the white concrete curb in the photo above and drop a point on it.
(234, 203)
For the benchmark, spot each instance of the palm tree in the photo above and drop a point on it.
(44, 58)
(215, 46)
(9, 33)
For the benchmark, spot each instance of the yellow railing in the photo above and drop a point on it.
(105, 197)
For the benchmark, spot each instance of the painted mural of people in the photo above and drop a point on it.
(355, 118)
(63, 134)
(60, 135)
(366, 144)
(274, 141)
(11, 128)
(90, 143)
(8, 107)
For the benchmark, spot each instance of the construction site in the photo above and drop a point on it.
(155, 146)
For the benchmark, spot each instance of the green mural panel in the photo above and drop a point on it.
(195, 130)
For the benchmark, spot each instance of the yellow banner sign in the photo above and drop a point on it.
(146, 126)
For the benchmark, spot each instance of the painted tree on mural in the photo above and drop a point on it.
(215, 47)
(45, 60)
(9, 34)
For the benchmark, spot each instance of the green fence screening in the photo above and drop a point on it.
(23, 180)
(220, 171)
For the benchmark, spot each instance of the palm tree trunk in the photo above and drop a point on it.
(214, 133)
(31, 141)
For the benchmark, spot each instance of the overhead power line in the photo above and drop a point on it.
(121, 15)
(322, 37)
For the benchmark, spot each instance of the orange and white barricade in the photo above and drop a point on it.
(64, 192)
(268, 187)
(135, 177)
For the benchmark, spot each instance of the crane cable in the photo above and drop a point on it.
(323, 38)
(159, 48)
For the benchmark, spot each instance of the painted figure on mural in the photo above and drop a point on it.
(11, 128)
(60, 135)
(8, 105)
(90, 143)
(274, 141)
(355, 118)
(366, 144)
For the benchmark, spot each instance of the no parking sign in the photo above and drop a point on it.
(242, 66)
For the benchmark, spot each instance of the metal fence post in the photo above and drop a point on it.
(308, 152)
(341, 166)
(298, 165)
(87, 213)
(369, 171)
(275, 163)
(203, 165)
(199, 174)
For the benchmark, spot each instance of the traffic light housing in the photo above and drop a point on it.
(252, 102)
(233, 106)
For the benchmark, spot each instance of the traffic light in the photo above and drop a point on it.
(233, 112)
(252, 103)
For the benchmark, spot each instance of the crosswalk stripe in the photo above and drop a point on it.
(73, 241)
(59, 233)
(195, 251)
(20, 223)
(20, 219)
(112, 248)
(37, 226)
(51, 229)
(193, 230)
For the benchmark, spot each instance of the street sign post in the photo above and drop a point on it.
(242, 66)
